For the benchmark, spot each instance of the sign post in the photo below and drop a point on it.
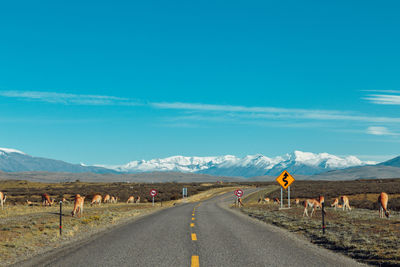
(184, 192)
(61, 218)
(285, 180)
(153, 193)
(239, 194)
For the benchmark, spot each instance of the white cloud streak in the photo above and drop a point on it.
(379, 130)
(384, 97)
(67, 99)
(277, 113)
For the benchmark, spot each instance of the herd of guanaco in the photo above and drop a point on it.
(78, 201)
(341, 202)
(308, 203)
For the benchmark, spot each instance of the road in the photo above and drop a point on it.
(213, 236)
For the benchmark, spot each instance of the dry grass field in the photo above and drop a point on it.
(358, 233)
(29, 230)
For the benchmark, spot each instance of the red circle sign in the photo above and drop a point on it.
(239, 192)
(153, 192)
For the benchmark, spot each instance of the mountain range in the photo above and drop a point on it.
(254, 167)
(304, 163)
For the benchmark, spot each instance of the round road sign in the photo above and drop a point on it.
(153, 192)
(239, 192)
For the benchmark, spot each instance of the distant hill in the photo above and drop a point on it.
(395, 162)
(12, 160)
(150, 177)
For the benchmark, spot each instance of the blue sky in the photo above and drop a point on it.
(106, 82)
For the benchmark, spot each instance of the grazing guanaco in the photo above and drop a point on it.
(312, 203)
(240, 202)
(335, 203)
(131, 199)
(114, 200)
(345, 202)
(383, 201)
(96, 199)
(78, 205)
(3, 197)
(46, 201)
(321, 200)
(263, 200)
(107, 199)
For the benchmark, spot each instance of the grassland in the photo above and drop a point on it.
(358, 233)
(26, 231)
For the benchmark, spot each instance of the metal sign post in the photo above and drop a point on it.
(285, 180)
(153, 193)
(60, 218)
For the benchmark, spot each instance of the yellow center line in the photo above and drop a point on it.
(192, 214)
(192, 225)
(193, 219)
(195, 261)
(194, 237)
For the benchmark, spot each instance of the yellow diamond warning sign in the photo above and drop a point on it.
(285, 179)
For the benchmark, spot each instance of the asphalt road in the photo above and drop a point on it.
(224, 238)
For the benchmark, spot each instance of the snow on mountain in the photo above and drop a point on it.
(10, 150)
(252, 165)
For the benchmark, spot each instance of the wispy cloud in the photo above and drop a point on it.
(68, 99)
(277, 113)
(379, 130)
(384, 97)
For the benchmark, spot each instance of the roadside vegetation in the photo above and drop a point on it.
(358, 233)
(28, 230)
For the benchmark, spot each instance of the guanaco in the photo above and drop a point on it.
(276, 200)
(46, 201)
(312, 203)
(138, 199)
(78, 205)
(321, 200)
(345, 202)
(131, 199)
(96, 199)
(297, 201)
(3, 197)
(383, 201)
(335, 203)
(114, 199)
(106, 199)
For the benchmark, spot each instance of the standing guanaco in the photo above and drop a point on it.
(78, 205)
(96, 199)
(312, 203)
(383, 201)
(345, 202)
(3, 198)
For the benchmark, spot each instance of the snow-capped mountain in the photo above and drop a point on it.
(298, 162)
